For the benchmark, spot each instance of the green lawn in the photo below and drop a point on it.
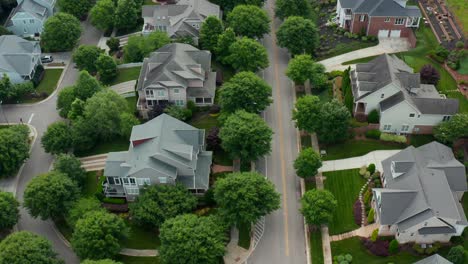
(316, 246)
(354, 148)
(244, 236)
(117, 144)
(459, 7)
(48, 84)
(419, 140)
(132, 101)
(463, 65)
(127, 74)
(149, 2)
(343, 48)
(141, 238)
(205, 122)
(345, 186)
(90, 186)
(137, 260)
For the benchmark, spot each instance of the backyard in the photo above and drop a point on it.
(345, 186)
(354, 148)
(47, 85)
(126, 74)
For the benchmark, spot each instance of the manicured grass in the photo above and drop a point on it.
(316, 246)
(131, 101)
(137, 260)
(459, 7)
(244, 236)
(345, 186)
(354, 148)
(90, 187)
(360, 254)
(127, 74)
(205, 122)
(343, 48)
(149, 2)
(48, 84)
(117, 144)
(419, 140)
(141, 238)
(463, 65)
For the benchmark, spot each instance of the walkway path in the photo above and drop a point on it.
(94, 163)
(125, 87)
(139, 252)
(386, 45)
(365, 231)
(375, 157)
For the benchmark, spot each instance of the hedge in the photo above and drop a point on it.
(392, 138)
(373, 117)
(346, 89)
(373, 133)
(370, 216)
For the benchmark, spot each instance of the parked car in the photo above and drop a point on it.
(47, 59)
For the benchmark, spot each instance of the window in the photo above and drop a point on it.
(382, 95)
(110, 180)
(143, 181)
(31, 21)
(412, 115)
(387, 127)
(362, 18)
(404, 128)
(150, 102)
(179, 102)
(132, 181)
(208, 100)
(132, 191)
(416, 129)
(199, 100)
(24, 21)
(162, 179)
(161, 93)
(149, 92)
(117, 181)
(125, 181)
(387, 19)
(446, 118)
(399, 21)
(176, 91)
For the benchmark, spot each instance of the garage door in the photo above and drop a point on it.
(383, 33)
(395, 33)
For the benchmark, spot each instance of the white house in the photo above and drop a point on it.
(388, 85)
(28, 18)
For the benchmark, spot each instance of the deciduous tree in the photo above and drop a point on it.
(126, 14)
(210, 31)
(429, 74)
(307, 163)
(102, 261)
(9, 208)
(106, 68)
(247, 55)
(298, 35)
(86, 56)
(14, 148)
(82, 207)
(225, 40)
(302, 68)
(61, 32)
(305, 113)
(65, 99)
(57, 139)
(77, 8)
(102, 14)
(70, 166)
(456, 255)
(287, 8)
(228, 5)
(318, 206)
(453, 129)
(249, 21)
(333, 122)
(86, 86)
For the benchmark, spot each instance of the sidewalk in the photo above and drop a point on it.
(375, 157)
(365, 231)
(234, 253)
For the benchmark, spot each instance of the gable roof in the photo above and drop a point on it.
(381, 8)
(425, 189)
(17, 54)
(38, 9)
(434, 259)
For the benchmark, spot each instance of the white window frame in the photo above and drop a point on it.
(149, 92)
(125, 181)
(382, 95)
(207, 100)
(117, 181)
(404, 128)
(161, 92)
(176, 90)
(143, 181)
(134, 181)
(162, 180)
(387, 127)
(132, 190)
(179, 102)
(387, 19)
(400, 21)
(362, 18)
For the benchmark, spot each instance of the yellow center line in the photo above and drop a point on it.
(281, 134)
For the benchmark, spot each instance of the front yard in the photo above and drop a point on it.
(345, 186)
(47, 85)
(354, 148)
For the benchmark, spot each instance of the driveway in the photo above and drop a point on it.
(386, 45)
(375, 157)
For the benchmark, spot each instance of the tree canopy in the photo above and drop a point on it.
(225, 40)
(249, 21)
(246, 54)
(85, 57)
(81, 208)
(102, 14)
(307, 163)
(333, 122)
(14, 148)
(453, 129)
(246, 136)
(302, 68)
(9, 207)
(244, 197)
(97, 235)
(77, 8)
(287, 8)
(11, 91)
(126, 14)
(192, 239)
(102, 261)
(305, 113)
(70, 166)
(23, 245)
(228, 5)
(50, 195)
(106, 68)
(161, 202)
(318, 206)
(298, 35)
(456, 255)
(86, 86)
(57, 139)
(245, 91)
(61, 32)
(210, 31)
(65, 98)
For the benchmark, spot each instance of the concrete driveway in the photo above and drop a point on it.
(386, 45)
(375, 157)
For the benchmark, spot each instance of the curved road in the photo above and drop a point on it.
(40, 115)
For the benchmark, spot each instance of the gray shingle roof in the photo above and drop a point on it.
(383, 8)
(434, 259)
(18, 55)
(434, 106)
(392, 101)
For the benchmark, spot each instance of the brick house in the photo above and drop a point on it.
(382, 18)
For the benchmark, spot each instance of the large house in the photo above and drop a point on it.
(28, 18)
(164, 150)
(182, 19)
(407, 106)
(434, 259)
(421, 194)
(176, 73)
(19, 58)
(382, 18)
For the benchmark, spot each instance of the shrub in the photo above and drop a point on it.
(377, 183)
(373, 133)
(442, 52)
(373, 117)
(113, 44)
(371, 168)
(436, 57)
(357, 213)
(418, 249)
(110, 200)
(334, 74)
(364, 38)
(375, 235)
(367, 196)
(429, 74)
(456, 255)
(363, 170)
(215, 109)
(213, 142)
(392, 138)
(378, 248)
(460, 44)
(376, 175)
(370, 216)
(393, 247)
(191, 105)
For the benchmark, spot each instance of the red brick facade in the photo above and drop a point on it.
(372, 25)
(357, 25)
(423, 130)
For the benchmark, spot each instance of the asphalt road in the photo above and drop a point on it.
(283, 240)
(41, 115)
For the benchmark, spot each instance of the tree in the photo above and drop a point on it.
(9, 208)
(307, 163)
(225, 40)
(298, 35)
(228, 5)
(318, 206)
(77, 109)
(57, 139)
(81, 208)
(77, 8)
(11, 91)
(70, 166)
(302, 68)
(245, 91)
(247, 55)
(86, 86)
(14, 148)
(429, 74)
(178, 112)
(249, 21)
(393, 247)
(373, 117)
(25, 247)
(86, 56)
(245, 197)
(65, 99)
(97, 235)
(456, 255)
(192, 239)
(126, 14)
(213, 142)
(82, 134)
(210, 31)
(102, 261)
(106, 68)
(113, 43)
(133, 51)
(161, 202)
(453, 129)
(102, 14)
(246, 136)
(333, 122)
(61, 32)
(50, 195)
(305, 113)
(127, 122)
(287, 8)
(4, 31)
(154, 41)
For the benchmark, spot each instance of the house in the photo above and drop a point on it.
(19, 58)
(434, 259)
(382, 18)
(28, 18)
(176, 73)
(162, 151)
(420, 198)
(182, 19)
(388, 85)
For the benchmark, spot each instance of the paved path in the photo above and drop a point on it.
(386, 45)
(139, 252)
(365, 231)
(375, 157)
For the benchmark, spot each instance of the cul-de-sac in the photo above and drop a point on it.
(233, 131)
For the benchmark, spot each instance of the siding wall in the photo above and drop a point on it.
(25, 26)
